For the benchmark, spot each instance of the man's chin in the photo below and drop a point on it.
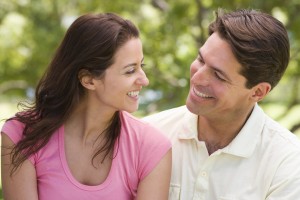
(190, 105)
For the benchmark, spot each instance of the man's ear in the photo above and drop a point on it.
(86, 79)
(260, 91)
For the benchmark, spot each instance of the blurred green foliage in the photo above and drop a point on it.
(171, 31)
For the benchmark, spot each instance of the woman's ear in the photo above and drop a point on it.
(260, 91)
(86, 79)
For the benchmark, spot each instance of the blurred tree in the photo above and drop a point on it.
(29, 32)
(171, 31)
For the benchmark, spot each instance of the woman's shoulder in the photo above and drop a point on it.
(136, 127)
(134, 123)
(13, 129)
(12, 124)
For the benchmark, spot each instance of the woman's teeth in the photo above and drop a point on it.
(133, 93)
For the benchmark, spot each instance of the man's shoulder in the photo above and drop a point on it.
(281, 134)
(168, 121)
(170, 114)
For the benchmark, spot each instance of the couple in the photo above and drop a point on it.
(78, 140)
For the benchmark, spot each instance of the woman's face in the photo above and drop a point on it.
(123, 80)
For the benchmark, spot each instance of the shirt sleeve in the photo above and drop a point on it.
(152, 149)
(14, 130)
(286, 182)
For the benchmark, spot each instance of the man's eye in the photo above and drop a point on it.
(219, 77)
(200, 59)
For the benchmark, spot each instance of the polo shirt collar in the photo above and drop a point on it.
(189, 124)
(243, 144)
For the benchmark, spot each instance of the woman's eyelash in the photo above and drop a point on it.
(130, 72)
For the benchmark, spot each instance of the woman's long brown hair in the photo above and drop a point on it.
(89, 44)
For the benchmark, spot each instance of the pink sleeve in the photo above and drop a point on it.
(153, 148)
(14, 130)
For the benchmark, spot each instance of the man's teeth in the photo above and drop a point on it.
(133, 93)
(201, 94)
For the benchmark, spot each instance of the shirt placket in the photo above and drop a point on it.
(205, 164)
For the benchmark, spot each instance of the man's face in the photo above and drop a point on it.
(217, 89)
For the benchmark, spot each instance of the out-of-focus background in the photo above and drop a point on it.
(171, 32)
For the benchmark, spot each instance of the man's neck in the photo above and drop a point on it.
(217, 133)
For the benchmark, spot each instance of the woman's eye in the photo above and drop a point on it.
(131, 71)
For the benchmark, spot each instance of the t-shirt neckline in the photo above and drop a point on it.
(70, 176)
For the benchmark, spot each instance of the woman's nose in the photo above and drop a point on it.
(142, 79)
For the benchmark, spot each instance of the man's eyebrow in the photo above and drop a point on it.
(215, 68)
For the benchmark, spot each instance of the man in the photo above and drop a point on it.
(224, 146)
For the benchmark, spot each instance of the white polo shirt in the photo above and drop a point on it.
(262, 162)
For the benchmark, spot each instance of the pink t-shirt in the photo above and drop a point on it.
(141, 147)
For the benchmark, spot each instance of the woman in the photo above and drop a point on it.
(77, 141)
